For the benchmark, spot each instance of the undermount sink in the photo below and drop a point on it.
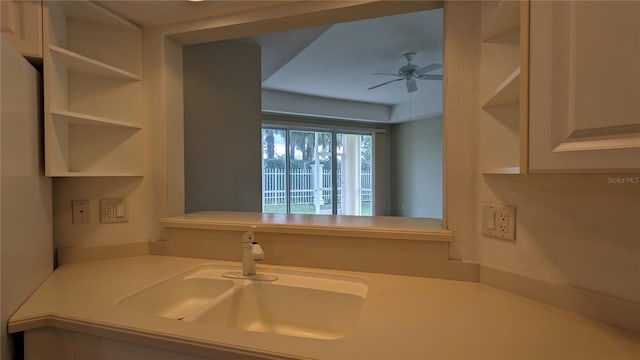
(297, 304)
(178, 297)
(286, 310)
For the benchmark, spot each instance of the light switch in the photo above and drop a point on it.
(120, 210)
(488, 218)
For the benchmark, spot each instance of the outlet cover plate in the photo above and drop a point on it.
(499, 221)
(80, 212)
(113, 211)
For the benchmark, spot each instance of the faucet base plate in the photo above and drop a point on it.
(256, 277)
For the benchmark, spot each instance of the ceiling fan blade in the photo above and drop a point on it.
(426, 69)
(412, 86)
(389, 74)
(429, 77)
(384, 83)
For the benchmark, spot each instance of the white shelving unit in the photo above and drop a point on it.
(93, 91)
(504, 80)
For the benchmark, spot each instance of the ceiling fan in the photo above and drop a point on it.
(410, 73)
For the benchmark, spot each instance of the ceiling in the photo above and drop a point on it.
(339, 61)
(331, 62)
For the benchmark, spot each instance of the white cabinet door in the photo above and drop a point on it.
(21, 24)
(26, 239)
(584, 86)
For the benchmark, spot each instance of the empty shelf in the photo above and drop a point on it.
(81, 64)
(93, 13)
(84, 119)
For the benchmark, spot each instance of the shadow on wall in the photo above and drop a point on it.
(576, 229)
(416, 168)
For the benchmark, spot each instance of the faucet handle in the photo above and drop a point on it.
(248, 237)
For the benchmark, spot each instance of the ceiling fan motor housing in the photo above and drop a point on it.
(408, 70)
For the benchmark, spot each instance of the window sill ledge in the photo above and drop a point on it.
(419, 229)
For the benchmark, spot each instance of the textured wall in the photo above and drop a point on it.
(578, 229)
(461, 59)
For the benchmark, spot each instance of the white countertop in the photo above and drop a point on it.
(403, 318)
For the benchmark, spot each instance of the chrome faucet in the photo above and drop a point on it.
(251, 252)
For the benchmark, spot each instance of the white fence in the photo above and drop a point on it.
(303, 187)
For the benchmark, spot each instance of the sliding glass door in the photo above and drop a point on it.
(354, 174)
(301, 175)
(274, 171)
(310, 172)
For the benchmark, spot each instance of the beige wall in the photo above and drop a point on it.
(574, 229)
(461, 67)
(571, 229)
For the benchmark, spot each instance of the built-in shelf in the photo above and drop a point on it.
(504, 61)
(81, 64)
(75, 118)
(505, 19)
(90, 12)
(507, 92)
(92, 71)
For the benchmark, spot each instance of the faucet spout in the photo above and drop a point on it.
(257, 254)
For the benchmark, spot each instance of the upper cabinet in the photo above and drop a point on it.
(21, 24)
(584, 86)
(93, 91)
(504, 87)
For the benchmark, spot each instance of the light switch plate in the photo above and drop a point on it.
(113, 211)
(499, 221)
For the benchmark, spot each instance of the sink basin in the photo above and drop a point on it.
(298, 303)
(286, 310)
(178, 297)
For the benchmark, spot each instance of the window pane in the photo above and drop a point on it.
(355, 185)
(310, 179)
(274, 159)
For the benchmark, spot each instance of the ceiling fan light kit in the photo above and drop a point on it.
(410, 72)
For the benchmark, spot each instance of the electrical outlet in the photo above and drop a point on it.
(113, 211)
(80, 212)
(499, 221)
